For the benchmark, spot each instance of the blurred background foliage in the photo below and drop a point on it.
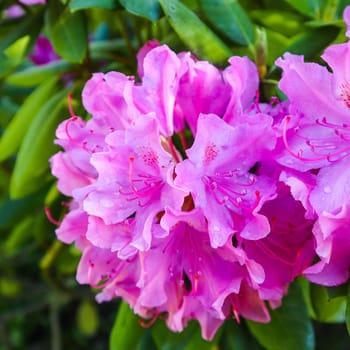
(41, 304)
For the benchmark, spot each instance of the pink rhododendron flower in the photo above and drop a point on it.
(217, 175)
(316, 137)
(206, 231)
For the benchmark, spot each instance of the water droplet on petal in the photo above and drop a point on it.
(327, 189)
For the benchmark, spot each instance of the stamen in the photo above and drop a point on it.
(150, 323)
(173, 150)
(236, 314)
(183, 140)
(92, 284)
(50, 218)
(70, 105)
(289, 149)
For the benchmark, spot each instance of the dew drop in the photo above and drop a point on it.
(327, 189)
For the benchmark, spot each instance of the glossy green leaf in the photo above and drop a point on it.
(327, 309)
(237, 337)
(15, 131)
(126, 333)
(194, 33)
(76, 5)
(87, 317)
(32, 163)
(189, 339)
(67, 32)
(311, 8)
(230, 19)
(35, 75)
(289, 325)
(145, 8)
(313, 41)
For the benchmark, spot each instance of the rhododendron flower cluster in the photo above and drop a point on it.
(193, 200)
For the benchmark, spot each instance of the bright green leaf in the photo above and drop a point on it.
(35, 75)
(15, 131)
(327, 309)
(126, 333)
(194, 33)
(289, 325)
(87, 318)
(284, 22)
(145, 8)
(32, 162)
(76, 5)
(310, 8)
(230, 19)
(67, 32)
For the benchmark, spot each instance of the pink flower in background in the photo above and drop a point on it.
(43, 52)
(32, 2)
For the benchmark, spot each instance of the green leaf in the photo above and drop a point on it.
(76, 5)
(87, 318)
(326, 309)
(32, 163)
(67, 32)
(230, 19)
(310, 8)
(338, 291)
(126, 333)
(313, 41)
(194, 33)
(145, 8)
(289, 325)
(16, 130)
(237, 337)
(35, 75)
(189, 339)
(284, 22)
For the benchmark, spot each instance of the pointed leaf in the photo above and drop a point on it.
(67, 32)
(35, 75)
(229, 18)
(16, 130)
(289, 325)
(30, 171)
(76, 5)
(126, 333)
(194, 33)
(327, 309)
(313, 41)
(146, 8)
